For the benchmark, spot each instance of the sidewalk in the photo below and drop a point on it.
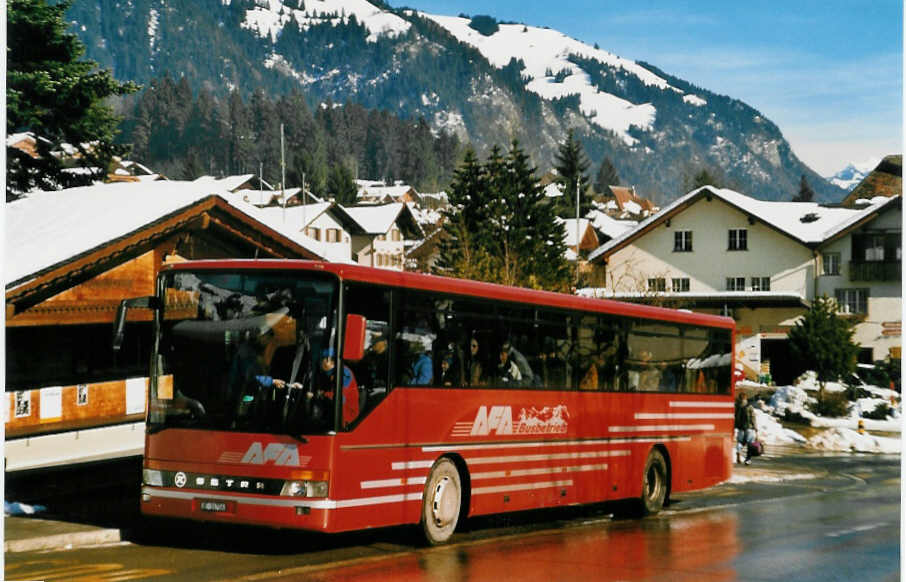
(29, 534)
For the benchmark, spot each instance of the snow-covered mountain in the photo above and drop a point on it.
(488, 82)
(850, 176)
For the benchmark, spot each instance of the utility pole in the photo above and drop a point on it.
(577, 231)
(282, 174)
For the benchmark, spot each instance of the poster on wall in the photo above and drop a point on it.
(82, 394)
(135, 395)
(23, 404)
(51, 403)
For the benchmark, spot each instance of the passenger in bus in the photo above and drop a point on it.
(649, 374)
(373, 367)
(507, 370)
(422, 371)
(350, 397)
(448, 372)
(525, 370)
(474, 374)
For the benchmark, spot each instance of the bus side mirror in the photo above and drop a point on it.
(354, 338)
(119, 322)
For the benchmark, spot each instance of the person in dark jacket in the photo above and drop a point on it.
(746, 432)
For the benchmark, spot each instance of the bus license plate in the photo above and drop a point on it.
(215, 506)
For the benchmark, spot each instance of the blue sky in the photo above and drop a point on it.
(828, 73)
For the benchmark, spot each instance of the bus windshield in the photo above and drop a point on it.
(243, 352)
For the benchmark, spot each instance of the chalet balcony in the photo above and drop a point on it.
(874, 271)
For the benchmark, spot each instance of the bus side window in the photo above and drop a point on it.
(373, 370)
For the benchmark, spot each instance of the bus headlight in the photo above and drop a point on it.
(152, 477)
(304, 489)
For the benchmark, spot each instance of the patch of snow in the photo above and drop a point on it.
(767, 476)
(268, 18)
(544, 50)
(153, 19)
(694, 100)
(845, 439)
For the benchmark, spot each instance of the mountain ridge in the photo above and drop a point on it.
(489, 86)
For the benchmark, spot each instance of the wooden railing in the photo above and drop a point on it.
(874, 271)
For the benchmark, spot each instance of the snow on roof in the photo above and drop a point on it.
(553, 190)
(295, 217)
(375, 219)
(610, 226)
(569, 229)
(807, 222)
(48, 228)
(269, 17)
(230, 183)
(15, 138)
(381, 191)
(545, 50)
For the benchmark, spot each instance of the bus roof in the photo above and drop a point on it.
(461, 287)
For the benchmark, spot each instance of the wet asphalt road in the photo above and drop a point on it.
(836, 517)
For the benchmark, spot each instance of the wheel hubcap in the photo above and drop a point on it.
(444, 502)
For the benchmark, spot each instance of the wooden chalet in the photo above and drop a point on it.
(71, 257)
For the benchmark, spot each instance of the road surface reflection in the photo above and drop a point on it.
(699, 547)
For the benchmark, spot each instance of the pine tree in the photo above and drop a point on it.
(806, 194)
(536, 235)
(572, 165)
(499, 228)
(59, 97)
(822, 341)
(341, 185)
(607, 176)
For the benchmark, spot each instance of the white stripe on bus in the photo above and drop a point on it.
(521, 487)
(552, 457)
(377, 484)
(519, 445)
(650, 427)
(402, 465)
(284, 502)
(682, 415)
(697, 404)
(538, 471)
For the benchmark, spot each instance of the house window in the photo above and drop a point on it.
(738, 239)
(314, 233)
(657, 284)
(333, 235)
(680, 285)
(830, 264)
(852, 300)
(736, 283)
(761, 283)
(682, 241)
(395, 235)
(382, 237)
(874, 249)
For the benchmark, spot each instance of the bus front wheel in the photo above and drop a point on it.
(654, 483)
(442, 501)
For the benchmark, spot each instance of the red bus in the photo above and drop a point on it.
(333, 397)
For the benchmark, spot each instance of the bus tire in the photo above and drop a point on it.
(442, 501)
(654, 483)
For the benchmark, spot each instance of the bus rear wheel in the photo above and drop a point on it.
(654, 483)
(442, 501)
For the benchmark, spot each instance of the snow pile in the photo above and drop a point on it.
(845, 439)
(770, 431)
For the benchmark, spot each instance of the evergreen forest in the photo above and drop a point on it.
(184, 133)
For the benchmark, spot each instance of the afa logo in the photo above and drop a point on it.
(280, 454)
(499, 420)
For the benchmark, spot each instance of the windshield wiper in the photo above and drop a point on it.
(298, 437)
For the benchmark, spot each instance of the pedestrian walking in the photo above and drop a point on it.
(746, 431)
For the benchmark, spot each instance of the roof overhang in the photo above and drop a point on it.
(210, 214)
